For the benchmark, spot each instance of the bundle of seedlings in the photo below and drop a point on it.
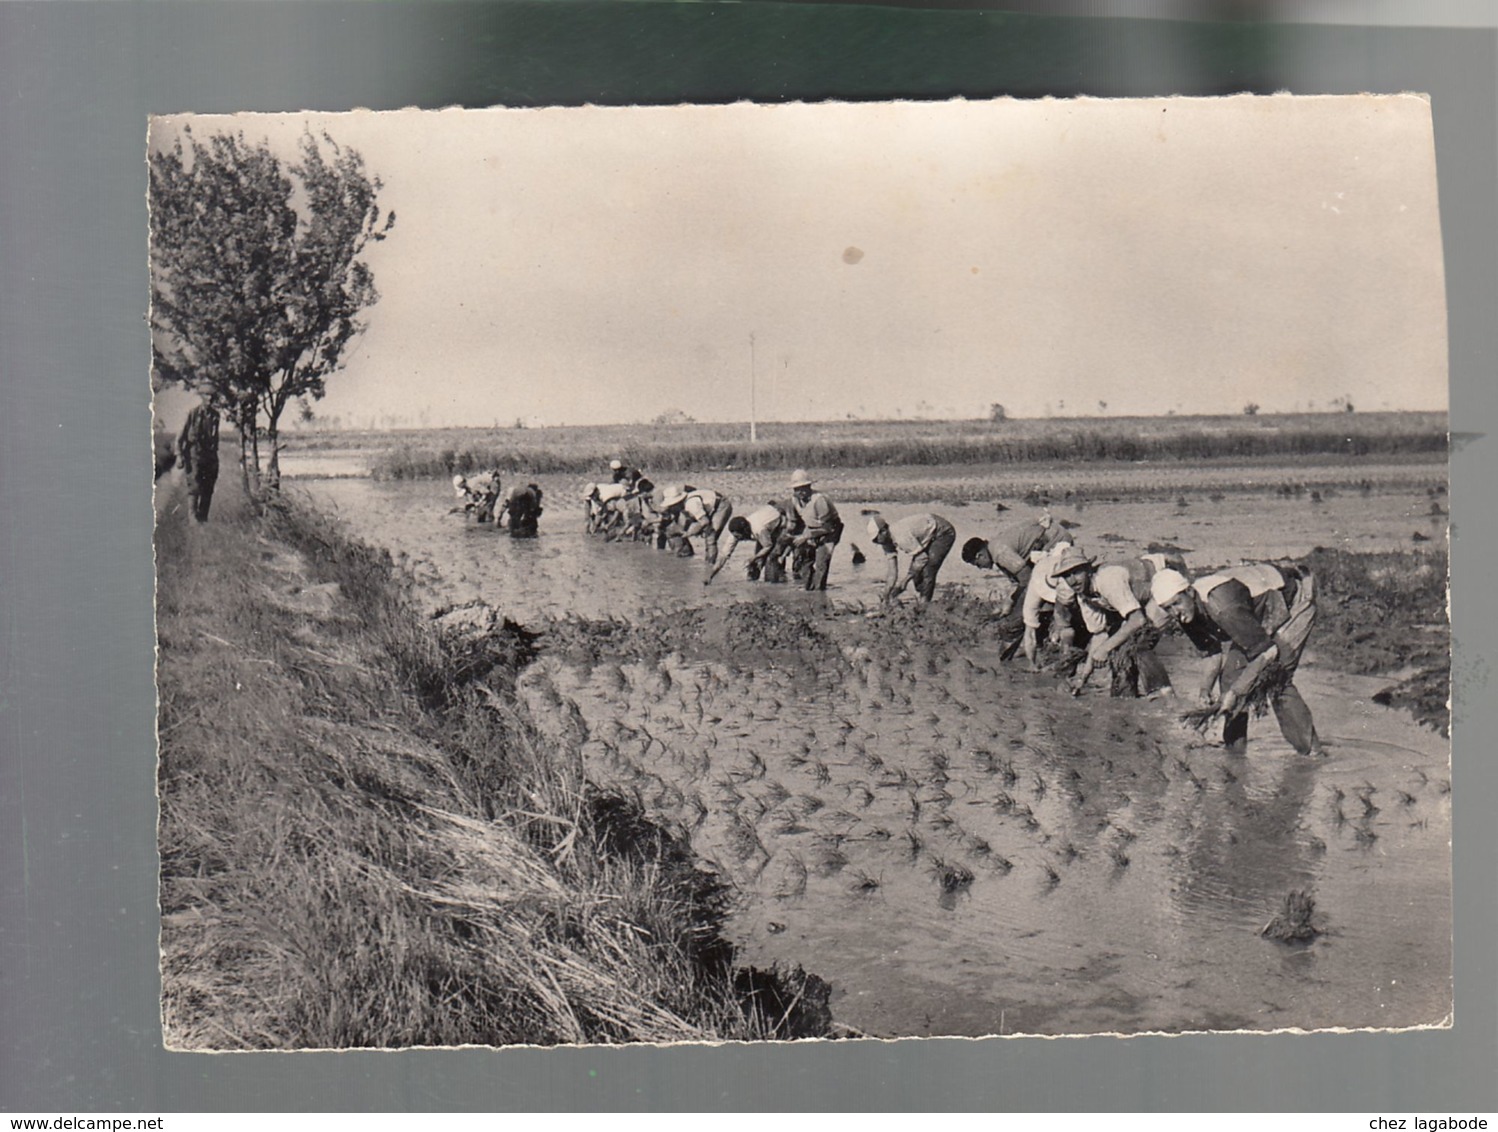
(1128, 682)
(1257, 701)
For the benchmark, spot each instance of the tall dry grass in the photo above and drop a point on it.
(365, 843)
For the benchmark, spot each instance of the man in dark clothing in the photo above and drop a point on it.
(1251, 617)
(197, 452)
(523, 506)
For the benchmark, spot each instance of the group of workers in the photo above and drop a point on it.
(483, 497)
(792, 537)
(1252, 621)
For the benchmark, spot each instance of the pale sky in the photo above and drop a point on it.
(596, 265)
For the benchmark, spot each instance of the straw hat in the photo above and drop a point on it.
(799, 478)
(878, 528)
(1071, 559)
(1167, 585)
(459, 481)
(615, 465)
(671, 496)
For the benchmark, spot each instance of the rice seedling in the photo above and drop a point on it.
(951, 877)
(1119, 858)
(828, 861)
(1405, 798)
(913, 843)
(864, 884)
(1052, 877)
(742, 840)
(1293, 922)
(790, 882)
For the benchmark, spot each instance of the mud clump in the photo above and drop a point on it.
(589, 641)
(1293, 922)
(1386, 613)
(748, 626)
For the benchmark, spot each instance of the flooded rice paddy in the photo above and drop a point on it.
(960, 847)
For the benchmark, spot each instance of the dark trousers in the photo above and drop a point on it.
(200, 483)
(1290, 710)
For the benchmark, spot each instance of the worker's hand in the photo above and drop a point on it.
(1097, 650)
(1229, 702)
(1205, 697)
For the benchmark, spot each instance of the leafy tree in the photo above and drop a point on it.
(256, 277)
(1251, 409)
(997, 413)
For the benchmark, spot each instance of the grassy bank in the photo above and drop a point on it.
(365, 842)
(665, 449)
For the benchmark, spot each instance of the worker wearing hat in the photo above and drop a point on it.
(1043, 605)
(697, 512)
(1248, 618)
(925, 537)
(602, 502)
(478, 494)
(1120, 594)
(819, 530)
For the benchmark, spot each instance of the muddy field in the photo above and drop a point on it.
(960, 847)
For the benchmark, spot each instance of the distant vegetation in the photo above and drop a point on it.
(666, 448)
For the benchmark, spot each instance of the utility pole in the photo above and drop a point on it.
(753, 438)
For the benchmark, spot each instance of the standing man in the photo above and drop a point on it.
(197, 451)
(820, 529)
(925, 537)
(1256, 620)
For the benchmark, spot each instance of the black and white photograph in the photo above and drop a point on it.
(840, 571)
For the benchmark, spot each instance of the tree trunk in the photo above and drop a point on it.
(273, 465)
(244, 460)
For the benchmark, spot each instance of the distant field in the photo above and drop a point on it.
(424, 453)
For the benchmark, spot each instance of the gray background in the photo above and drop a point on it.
(78, 983)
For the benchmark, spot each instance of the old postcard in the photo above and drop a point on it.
(736, 573)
